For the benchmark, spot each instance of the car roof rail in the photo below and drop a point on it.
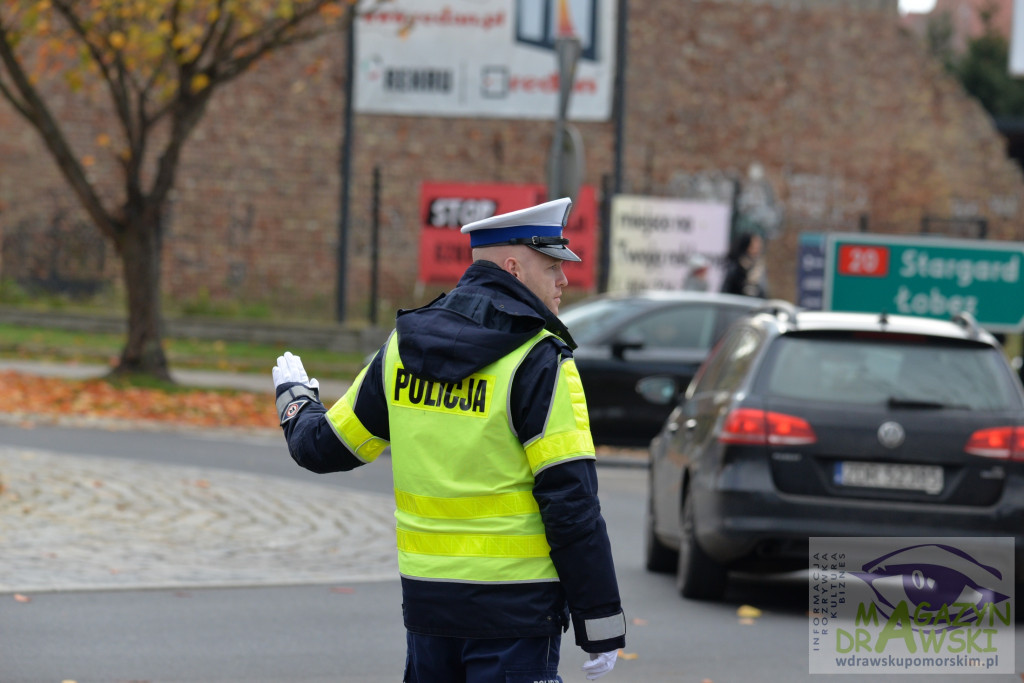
(968, 322)
(777, 308)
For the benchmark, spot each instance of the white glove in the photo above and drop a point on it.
(289, 369)
(600, 664)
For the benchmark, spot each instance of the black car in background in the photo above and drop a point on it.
(807, 423)
(626, 338)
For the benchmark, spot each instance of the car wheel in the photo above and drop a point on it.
(698, 576)
(658, 556)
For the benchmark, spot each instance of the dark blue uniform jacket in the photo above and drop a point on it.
(486, 316)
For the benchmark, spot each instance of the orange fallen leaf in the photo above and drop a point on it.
(748, 612)
(33, 398)
(639, 622)
(22, 598)
(628, 655)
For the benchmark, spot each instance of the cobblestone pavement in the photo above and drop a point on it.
(86, 523)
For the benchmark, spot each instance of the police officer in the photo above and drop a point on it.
(501, 542)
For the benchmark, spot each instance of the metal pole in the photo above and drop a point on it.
(612, 186)
(345, 169)
(620, 92)
(375, 246)
(604, 265)
(567, 53)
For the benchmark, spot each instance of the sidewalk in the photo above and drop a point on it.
(330, 391)
(200, 379)
(70, 522)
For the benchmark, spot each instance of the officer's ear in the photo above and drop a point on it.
(513, 267)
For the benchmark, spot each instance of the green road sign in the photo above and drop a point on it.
(930, 277)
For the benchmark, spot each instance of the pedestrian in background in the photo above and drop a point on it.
(744, 267)
(501, 541)
(697, 278)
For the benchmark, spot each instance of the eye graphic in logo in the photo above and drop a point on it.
(939, 583)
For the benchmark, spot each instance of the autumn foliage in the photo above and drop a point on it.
(141, 73)
(33, 398)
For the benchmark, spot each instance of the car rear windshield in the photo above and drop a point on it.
(908, 371)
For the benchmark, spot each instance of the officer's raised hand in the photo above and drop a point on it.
(294, 387)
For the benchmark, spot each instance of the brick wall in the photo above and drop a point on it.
(827, 114)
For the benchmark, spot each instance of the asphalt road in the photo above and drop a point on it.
(208, 617)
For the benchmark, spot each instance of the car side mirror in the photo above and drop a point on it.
(628, 342)
(659, 390)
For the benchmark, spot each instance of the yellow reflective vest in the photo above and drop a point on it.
(465, 509)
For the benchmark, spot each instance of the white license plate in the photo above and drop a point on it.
(927, 478)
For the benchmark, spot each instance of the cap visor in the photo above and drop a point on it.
(556, 251)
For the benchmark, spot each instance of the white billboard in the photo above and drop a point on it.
(482, 58)
(654, 241)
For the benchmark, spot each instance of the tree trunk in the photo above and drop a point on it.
(140, 247)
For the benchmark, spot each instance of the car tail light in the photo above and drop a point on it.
(1006, 443)
(754, 426)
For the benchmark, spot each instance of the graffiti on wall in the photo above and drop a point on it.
(751, 195)
(195, 260)
(830, 202)
(55, 253)
(239, 236)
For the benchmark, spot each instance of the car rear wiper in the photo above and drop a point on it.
(899, 402)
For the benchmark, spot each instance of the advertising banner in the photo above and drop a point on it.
(446, 207)
(895, 605)
(482, 58)
(654, 241)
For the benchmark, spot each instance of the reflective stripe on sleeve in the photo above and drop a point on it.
(606, 627)
(352, 433)
(472, 545)
(293, 394)
(571, 374)
(468, 507)
(555, 447)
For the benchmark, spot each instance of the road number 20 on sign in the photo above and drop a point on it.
(863, 261)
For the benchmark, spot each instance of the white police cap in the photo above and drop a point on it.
(538, 227)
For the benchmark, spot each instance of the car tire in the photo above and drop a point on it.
(658, 557)
(698, 576)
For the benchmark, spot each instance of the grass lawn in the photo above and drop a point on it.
(46, 344)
